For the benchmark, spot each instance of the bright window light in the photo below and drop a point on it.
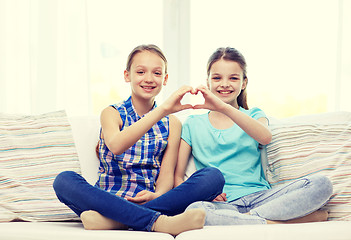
(115, 28)
(290, 48)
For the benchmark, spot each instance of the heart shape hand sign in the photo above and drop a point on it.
(199, 98)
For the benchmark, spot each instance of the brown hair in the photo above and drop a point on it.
(231, 54)
(149, 47)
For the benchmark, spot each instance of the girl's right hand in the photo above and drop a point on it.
(173, 104)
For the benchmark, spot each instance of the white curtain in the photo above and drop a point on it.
(44, 57)
(64, 54)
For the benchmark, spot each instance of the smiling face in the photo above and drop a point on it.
(146, 75)
(226, 81)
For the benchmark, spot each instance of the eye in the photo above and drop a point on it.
(140, 72)
(216, 78)
(158, 73)
(234, 79)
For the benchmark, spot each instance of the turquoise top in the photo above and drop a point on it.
(230, 150)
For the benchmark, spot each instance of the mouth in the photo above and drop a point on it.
(148, 87)
(225, 92)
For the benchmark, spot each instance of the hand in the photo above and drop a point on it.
(221, 198)
(172, 104)
(143, 197)
(211, 101)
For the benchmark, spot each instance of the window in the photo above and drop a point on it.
(71, 55)
(115, 28)
(290, 47)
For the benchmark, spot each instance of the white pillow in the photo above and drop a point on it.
(86, 136)
(33, 150)
(320, 118)
(6, 215)
(320, 145)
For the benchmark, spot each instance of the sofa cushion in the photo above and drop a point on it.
(70, 231)
(300, 231)
(33, 150)
(86, 136)
(315, 144)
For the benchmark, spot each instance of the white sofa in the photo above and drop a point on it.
(85, 132)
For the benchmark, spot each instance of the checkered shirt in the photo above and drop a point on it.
(138, 167)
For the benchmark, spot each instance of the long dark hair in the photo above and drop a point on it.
(231, 54)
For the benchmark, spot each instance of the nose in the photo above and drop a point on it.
(224, 83)
(148, 78)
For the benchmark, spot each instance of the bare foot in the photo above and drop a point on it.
(189, 220)
(317, 216)
(93, 220)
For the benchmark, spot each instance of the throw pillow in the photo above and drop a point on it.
(300, 149)
(33, 150)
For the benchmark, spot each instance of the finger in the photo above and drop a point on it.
(201, 88)
(224, 196)
(221, 198)
(200, 106)
(136, 200)
(186, 106)
(138, 196)
(181, 93)
(186, 89)
(141, 193)
(215, 200)
(194, 91)
(131, 199)
(218, 199)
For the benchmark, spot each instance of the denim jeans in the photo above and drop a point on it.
(74, 191)
(292, 200)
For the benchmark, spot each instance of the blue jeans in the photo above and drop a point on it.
(74, 191)
(292, 200)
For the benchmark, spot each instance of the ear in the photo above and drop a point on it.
(244, 85)
(165, 80)
(208, 83)
(126, 76)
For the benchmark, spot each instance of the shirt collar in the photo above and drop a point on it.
(131, 110)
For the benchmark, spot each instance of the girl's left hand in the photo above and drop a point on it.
(143, 197)
(221, 198)
(211, 101)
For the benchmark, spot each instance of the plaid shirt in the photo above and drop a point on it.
(138, 167)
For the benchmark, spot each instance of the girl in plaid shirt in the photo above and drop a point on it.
(138, 151)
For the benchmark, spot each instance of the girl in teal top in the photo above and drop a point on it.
(231, 150)
(228, 137)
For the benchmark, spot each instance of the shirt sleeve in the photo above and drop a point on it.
(186, 134)
(257, 113)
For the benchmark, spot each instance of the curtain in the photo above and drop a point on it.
(44, 57)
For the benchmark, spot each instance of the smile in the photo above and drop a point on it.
(225, 91)
(148, 87)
